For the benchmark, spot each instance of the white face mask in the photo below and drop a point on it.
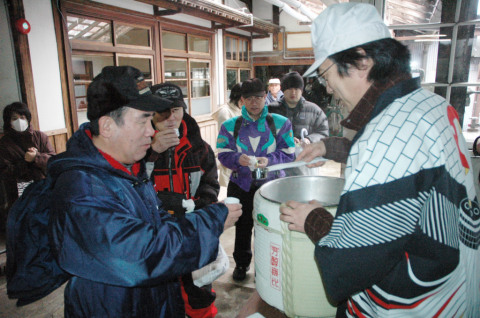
(19, 124)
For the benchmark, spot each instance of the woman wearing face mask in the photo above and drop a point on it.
(24, 152)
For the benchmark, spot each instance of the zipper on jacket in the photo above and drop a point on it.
(170, 176)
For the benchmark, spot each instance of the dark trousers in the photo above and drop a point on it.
(242, 253)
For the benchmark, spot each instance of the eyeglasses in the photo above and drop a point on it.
(254, 98)
(320, 77)
(169, 92)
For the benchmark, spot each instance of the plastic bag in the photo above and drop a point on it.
(210, 272)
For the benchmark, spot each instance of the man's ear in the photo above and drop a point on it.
(106, 126)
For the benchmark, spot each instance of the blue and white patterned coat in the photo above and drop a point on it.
(407, 211)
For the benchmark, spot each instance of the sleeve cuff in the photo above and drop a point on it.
(318, 224)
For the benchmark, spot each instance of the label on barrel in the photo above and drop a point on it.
(275, 275)
(262, 219)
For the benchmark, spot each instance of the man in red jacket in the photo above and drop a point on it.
(185, 178)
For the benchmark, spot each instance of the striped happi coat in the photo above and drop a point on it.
(405, 238)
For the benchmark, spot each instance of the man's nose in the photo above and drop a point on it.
(150, 131)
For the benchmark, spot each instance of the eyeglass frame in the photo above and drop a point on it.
(321, 80)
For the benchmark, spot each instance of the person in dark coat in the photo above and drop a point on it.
(24, 152)
(108, 228)
(301, 113)
(185, 177)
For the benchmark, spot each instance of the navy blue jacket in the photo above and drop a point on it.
(124, 252)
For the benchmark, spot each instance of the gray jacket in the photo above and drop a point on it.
(305, 115)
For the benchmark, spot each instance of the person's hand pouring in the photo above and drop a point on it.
(295, 213)
(312, 151)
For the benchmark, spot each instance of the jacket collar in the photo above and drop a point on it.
(260, 121)
(362, 113)
(299, 105)
(114, 163)
(12, 132)
(402, 88)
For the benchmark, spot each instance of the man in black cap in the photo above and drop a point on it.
(108, 229)
(302, 113)
(255, 139)
(184, 173)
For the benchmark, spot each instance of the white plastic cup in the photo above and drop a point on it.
(231, 200)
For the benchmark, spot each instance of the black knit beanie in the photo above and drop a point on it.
(292, 80)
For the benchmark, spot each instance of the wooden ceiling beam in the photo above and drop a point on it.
(227, 17)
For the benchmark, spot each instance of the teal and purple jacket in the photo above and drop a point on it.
(255, 139)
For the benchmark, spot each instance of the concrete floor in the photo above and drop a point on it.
(233, 297)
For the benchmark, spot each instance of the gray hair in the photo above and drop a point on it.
(116, 115)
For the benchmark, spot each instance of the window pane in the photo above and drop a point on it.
(130, 35)
(199, 70)
(245, 51)
(175, 69)
(174, 41)
(465, 67)
(472, 111)
(244, 75)
(231, 48)
(142, 64)
(89, 30)
(198, 44)
(234, 49)
(231, 79)
(410, 12)
(81, 96)
(200, 88)
(424, 48)
(201, 106)
(85, 68)
(228, 47)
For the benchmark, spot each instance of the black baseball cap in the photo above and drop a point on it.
(118, 86)
(171, 92)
